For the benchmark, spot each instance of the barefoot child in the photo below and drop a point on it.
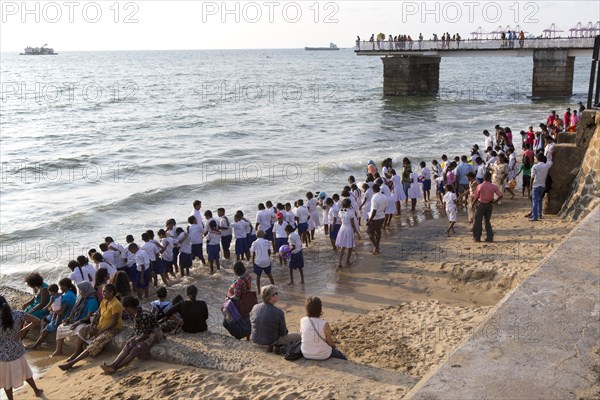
(196, 232)
(345, 238)
(213, 246)
(185, 251)
(166, 243)
(297, 260)
(334, 220)
(240, 231)
(450, 206)
(426, 179)
(261, 258)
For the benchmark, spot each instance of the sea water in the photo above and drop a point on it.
(97, 144)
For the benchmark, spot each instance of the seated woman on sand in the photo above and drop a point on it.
(268, 322)
(193, 312)
(317, 341)
(100, 331)
(36, 307)
(146, 333)
(85, 305)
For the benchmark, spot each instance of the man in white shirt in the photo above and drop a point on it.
(539, 173)
(375, 221)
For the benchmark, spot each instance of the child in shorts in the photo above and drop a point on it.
(297, 260)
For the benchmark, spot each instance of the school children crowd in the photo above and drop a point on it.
(90, 304)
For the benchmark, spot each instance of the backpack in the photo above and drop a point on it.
(160, 310)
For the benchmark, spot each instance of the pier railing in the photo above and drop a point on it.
(475, 44)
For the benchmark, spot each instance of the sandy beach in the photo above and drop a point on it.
(396, 316)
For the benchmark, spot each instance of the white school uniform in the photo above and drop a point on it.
(261, 247)
(290, 218)
(152, 249)
(263, 218)
(391, 205)
(213, 238)
(225, 226)
(112, 257)
(368, 197)
(207, 224)
(195, 232)
(111, 270)
(295, 242)
(449, 199)
(313, 222)
(302, 214)
(142, 260)
(120, 257)
(129, 256)
(279, 230)
(185, 243)
(79, 275)
(240, 229)
(169, 243)
(345, 236)
(414, 191)
(398, 189)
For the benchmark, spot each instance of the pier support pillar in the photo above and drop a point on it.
(552, 73)
(411, 75)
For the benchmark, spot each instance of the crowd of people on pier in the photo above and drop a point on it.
(96, 299)
(507, 40)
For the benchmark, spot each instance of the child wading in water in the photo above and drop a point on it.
(297, 260)
(450, 205)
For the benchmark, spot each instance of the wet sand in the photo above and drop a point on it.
(397, 313)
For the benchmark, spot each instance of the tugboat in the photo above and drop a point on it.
(332, 46)
(38, 51)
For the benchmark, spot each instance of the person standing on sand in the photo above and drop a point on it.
(345, 238)
(484, 193)
(375, 221)
(13, 364)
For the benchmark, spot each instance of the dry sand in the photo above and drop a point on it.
(396, 316)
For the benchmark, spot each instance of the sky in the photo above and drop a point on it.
(74, 25)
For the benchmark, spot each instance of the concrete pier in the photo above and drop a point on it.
(552, 73)
(411, 75)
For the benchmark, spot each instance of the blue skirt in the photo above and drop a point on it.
(269, 234)
(213, 251)
(303, 227)
(226, 241)
(333, 231)
(159, 266)
(297, 261)
(280, 242)
(185, 260)
(136, 282)
(241, 246)
(197, 251)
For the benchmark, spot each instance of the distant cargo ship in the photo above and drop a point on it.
(38, 51)
(332, 46)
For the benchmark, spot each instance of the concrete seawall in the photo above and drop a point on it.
(542, 341)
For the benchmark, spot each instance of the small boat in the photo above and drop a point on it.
(38, 51)
(332, 46)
